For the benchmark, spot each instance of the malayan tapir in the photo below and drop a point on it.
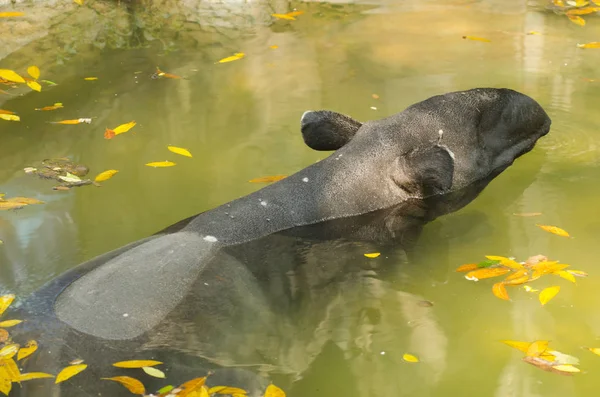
(254, 289)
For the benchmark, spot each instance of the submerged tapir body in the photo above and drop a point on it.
(216, 287)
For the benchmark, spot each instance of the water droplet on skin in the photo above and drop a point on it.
(231, 216)
(227, 213)
(210, 239)
(268, 219)
(125, 314)
(304, 179)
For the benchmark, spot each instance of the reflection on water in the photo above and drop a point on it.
(240, 120)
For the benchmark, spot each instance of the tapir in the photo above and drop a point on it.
(247, 290)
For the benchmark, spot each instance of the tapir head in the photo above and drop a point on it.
(443, 143)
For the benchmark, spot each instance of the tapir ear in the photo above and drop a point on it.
(325, 130)
(427, 171)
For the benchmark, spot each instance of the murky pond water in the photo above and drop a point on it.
(241, 120)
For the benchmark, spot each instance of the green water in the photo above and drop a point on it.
(241, 120)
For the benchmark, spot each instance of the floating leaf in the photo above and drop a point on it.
(467, 267)
(90, 78)
(475, 38)
(499, 291)
(6, 205)
(165, 390)
(10, 117)
(105, 175)
(548, 293)
(10, 323)
(34, 72)
(234, 57)
(136, 363)
(132, 384)
(489, 272)
(594, 44)
(595, 350)
(5, 383)
(11, 75)
(508, 262)
(191, 386)
(9, 14)
(2, 111)
(273, 47)
(566, 275)
(157, 373)
(566, 368)
(48, 82)
(533, 33)
(517, 278)
(161, 164)
(69, 372)
(179, 150)
(577, 273)
(488, 263)
(373, 254)
(268, 179)
(74, 121)
(274, 391)
(294, 13)
(11, 369)
(5, 301)
(537, 348)
(34, 375)
(226, 390)
(34, 85)
(76, 361)
(24, 200)
(3, 335)
(57, 105)
(9, 351)
(70, 178)
(553, 229)
(583, 11)
(562, 358)
(28, 350)
(576, 20)
(410, 358)
(284, 16)
(522, 346)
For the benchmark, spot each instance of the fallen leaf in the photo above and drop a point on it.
(34, 72)
(594, 44)
(5, 301)
(70, 178)
(6, 205)
(34, 375)
(553, 229)
(561, 358)
(467, 267)
(234, 57)
(273, 47)
(57, 105)
(191, 386)
(526, 214)
(73, 121)
(566, 275)
(155, 372)
(165, 390)
(517, 278)
(28, 350)
(69, 372)
(268, 179)
(475, 38)
(484, 273)
(583, 11)
(80, 2)
(274, 391)
(76, 361)
(48, 82)
(124, 127)
(10, 323)
(178, 150)
(2, 111)
(294, 13)
(10, 117)
(544, 365)
(34, 85)
(487, 263)
(410, 358)
(595, 350)
(536, 348)
(576, 20)
(136, 363)
(14, 374)
(132, 384)
(548, 293)
(226, 390)
(161, 164)
(566, 368)
(372, 254)
(577, 273)
(522, 346)
(90, 78)
(10, 14)
(5, 383)
(11, 75)
(284, 16)
(24, 200)
(3, 335)
(508, 262)
(499, 291)
(9, 351)
(105, 175)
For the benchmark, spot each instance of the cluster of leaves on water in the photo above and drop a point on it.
(11, 353)
(538, 354)
(574, 9)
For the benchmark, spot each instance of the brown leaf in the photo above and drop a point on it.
(499, 291)
(132, 384)
(467, 267)
(191, 386)
(554, 230)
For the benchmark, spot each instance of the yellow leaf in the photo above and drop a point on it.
(537, 348)
(80, 2)
(11, 75)
(595, 350)
(533, 33)
(284, 16)
(294, 13)
(555, 230)
(90, 78)
(522, 346)
(161, 164)
(487, 272)
(576, 20)
(179, 150)
(105, 175)
(505, 261)
(136, 363)
(594, 44)
(5, 382)
(577, 273)
(28, 350)
(57, 105)
(6, 205)
(467, 267)
(548, 293)
(124, 127)
(3, 335)
(132, 384)
(9, 351)
(157, 373)
(567, 276)
(226, 390)
(191, 386)
(373, 254)
(410, 358)
(35, 375)
(274, 391)
(74, 121)
(10, 117)
(2, 111)
(475, 38)
(566, 368)
(69, 372)
(499, 291)
(518, 277)
(583, 11)
(268, 179)
(11, 369)
(9, 14)
(273, 47)
(5, 301)
(234, 57)
(10, 323)
(34, 72)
